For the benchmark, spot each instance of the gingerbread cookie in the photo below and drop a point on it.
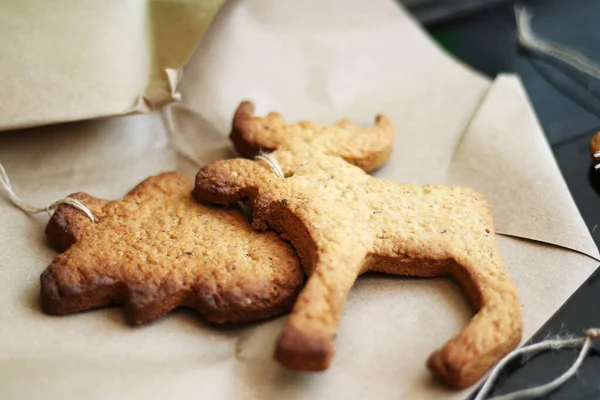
(343, 223)
(367, 148)
(158, 249)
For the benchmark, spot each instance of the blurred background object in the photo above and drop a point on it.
(431, 11)
(483, 34)
(566, 101)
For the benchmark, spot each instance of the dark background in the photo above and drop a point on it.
(482, 33)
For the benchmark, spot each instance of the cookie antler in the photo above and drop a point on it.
(251, 134)
(68, 224)
(367, 148)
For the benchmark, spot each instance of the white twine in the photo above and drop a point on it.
(551, 344)
(272, 162)
(178, 142)
(9, 193)
(597, 156)
(528, 40)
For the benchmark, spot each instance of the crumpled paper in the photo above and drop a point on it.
(453, 126)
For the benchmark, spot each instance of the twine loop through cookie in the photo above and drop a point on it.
(272, 162)
(549, 344)
(9, 193)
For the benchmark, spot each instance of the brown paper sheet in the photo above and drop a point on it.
(72, 60)
(452, 126)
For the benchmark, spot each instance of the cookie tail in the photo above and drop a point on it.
(493, 332)
(307, 340)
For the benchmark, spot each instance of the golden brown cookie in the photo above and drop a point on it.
(158, 249)
(367, 148)
(343, 223)
(595, 148)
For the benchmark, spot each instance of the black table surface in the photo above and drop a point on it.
(567, 104)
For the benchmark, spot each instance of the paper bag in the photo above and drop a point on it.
(72, 60)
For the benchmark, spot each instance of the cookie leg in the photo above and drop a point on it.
(66, 289)
(307, 340)
(493, 332)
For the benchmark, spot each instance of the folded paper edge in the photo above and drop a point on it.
(543, 242)
(516, 80)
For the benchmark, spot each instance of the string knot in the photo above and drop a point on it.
(8, 192)
(549, 344)
(593, 333)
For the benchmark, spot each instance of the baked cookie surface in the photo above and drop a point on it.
(344, 222)
(158, 249)
(366, 147)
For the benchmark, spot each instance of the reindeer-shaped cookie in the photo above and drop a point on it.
(344, 222)
(367, 148)
(158, 249)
